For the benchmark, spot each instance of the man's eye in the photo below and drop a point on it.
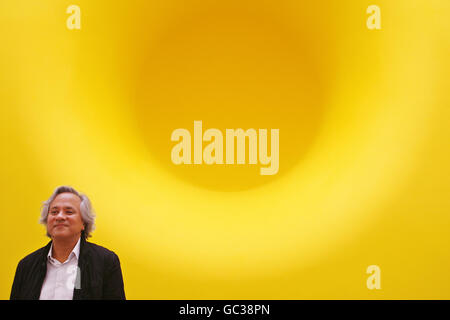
(69, 212)
(54, 212)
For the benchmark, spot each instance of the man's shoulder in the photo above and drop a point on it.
(98, 250)
(34, 256)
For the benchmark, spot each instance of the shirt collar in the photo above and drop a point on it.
(75, 251)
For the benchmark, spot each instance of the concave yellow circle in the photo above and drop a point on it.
(231, 68)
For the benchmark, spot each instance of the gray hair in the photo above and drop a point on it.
(87, 213)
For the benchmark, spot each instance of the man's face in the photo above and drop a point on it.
(64, 217)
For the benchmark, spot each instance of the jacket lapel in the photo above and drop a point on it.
(41, 272)
(82, 282)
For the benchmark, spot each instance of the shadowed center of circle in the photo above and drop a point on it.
(230, 71)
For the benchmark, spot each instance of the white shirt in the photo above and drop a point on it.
(60, 279)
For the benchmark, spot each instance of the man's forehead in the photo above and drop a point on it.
(66, 199)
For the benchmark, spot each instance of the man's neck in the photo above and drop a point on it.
(61, 248)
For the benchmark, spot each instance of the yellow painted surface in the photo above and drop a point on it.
(364, 120)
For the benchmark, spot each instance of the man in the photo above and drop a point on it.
(68, 267)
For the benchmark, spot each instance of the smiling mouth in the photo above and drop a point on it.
(60, 225)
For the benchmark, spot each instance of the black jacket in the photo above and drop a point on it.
(100, 272)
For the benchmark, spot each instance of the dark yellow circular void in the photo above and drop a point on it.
(232, 68)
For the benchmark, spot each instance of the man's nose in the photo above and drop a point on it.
(60, 215)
